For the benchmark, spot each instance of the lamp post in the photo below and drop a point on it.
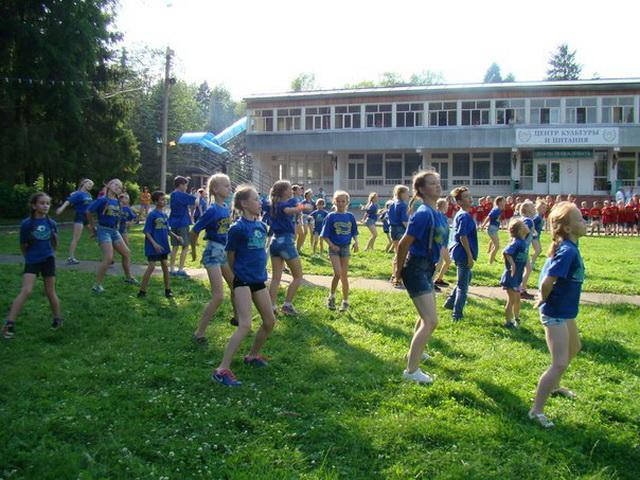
(165, 120)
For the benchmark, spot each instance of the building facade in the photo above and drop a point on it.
(580, 137)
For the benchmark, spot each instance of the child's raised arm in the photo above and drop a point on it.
(62, 207)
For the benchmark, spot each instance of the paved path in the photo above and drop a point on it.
(324, 281)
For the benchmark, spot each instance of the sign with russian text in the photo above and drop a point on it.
(567, 137)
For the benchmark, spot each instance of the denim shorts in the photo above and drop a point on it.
(493, 230)
(343, 252)
(417, 275)
(370, 221)
(397, 231)
(552, 321)
(183, 233)
(214, 254)
(284, 247)
(108, 235)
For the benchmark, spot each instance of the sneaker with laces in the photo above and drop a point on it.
(541, 419)
(141, 294)
(510, 324)
(72, 261)
(168, 293)
(98, 289)
(131, 281)
(526, 295)
(441, 283)
(9, 330)
(331, 303)
(182, 273)
(344, 307)
(288, 309)
(436, 288)
(56, 323)
(256, 361)
(224, 376)
(418, 376)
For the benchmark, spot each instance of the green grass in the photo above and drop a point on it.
(607, 259)
(120, 392)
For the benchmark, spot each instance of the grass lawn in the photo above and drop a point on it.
(609, 261)
(120, 392)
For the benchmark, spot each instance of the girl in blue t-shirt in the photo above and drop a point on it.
(80, 199)
(370, 218)
(126, 217)
(284, 210)
(425, 236)
(527, 213)
(107, 210)
(215, 221)
(247, 258)
(515, 258)
(318, 215)
(201, 204)
(38, 241)
(398, 215)
(307, 221)
(538, 224)
(492, 222)
(384, 217)
(560, 287)
(339, 229)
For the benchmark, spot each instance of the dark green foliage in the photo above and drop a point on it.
(494, 75)
(563, 65)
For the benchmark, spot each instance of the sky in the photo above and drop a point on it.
(260, 46)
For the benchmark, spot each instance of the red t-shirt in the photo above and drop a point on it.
(507, 213)
(629, 214)
(584, 212)
(606, 215)
(595, 213)
(451, 209)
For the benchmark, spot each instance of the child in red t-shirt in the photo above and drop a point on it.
(596, 217)
(584, 211)
(607, 217)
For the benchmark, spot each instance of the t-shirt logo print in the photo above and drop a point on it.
(160, 223)
(223, 225)
(257, 240)
(342, 228)
(41, 232)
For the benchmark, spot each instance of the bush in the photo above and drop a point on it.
(14, 199)
(133, 189)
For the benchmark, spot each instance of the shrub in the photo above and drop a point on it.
(133, 189)
(14, 199)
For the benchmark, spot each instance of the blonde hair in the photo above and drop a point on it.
(558, 219)
(241, 194)
(372, 195)
(341, 193)
(84, 181)
(320, 201)
(527, 208)
(442, 202)
(398, 190)
(498, 200)
(419, 181)
(107, 187)
(214, 181)
(515, 227)
(457, 192)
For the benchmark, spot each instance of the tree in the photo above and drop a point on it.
(494, 75)
(426, 77)
(563, 65)
(304, 81)
(393, 79)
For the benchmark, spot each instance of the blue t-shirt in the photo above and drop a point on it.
(80, 201)
(266, 211)
(494, 216)
(340, 228)
(398, 213)
(538, 223)
(126, 215)
(215, 222)
(38, 234)
(280, 222)
(108, 211)
(247, 238)
(385, 221)
(421, 224)
(202, 203)
(156, 226)
(179, 204)
(518, 250)
(464, 225)
(372, 212)
(318, 219)
(529, 223)
(568, 267)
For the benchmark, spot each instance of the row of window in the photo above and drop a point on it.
(578, 110)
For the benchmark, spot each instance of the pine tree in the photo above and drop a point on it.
(563, 65)
(493, 74)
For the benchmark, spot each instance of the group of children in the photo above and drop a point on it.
(240, 239)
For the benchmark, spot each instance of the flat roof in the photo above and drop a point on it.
(454, 87)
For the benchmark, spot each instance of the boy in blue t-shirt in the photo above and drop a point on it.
(516, 256)
(126, 217)
(318, 215)
(156, 244)
(182, 205)
(38, 240)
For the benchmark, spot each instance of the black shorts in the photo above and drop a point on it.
(254, 287)
(46, 268)
(157, 258)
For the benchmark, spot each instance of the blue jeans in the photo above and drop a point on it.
(458, 296)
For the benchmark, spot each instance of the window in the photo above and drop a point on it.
(374, 165)
(481, 170)
(347, 116)
(526, 171)
(317, 118)
(289, 119)
(476, 112)
(541, 173)
(545, 111)
(443, 114)
(509, 112)
(412, 163)
(393, 171)
(600, 180)
(460, 165)
(627, 169)
(501, 164)
(409, 115)
(617, 110)
(554, 177)
(581, 110)
(378, 116)
(264, 120)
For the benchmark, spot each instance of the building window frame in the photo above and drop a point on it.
(409, 115)
(289, 119)
(443, 114)
(317, 118)
(545, 111)
(581, 110)
(347, 117)
(510, 111)
(618, 109)
(475, 112)
(378, 115)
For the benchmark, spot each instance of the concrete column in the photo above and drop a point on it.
(340, 173)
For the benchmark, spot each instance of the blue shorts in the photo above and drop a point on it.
(283, 246)
(385, 227)
(371, 221)
(343, 252)
(493, 230)
(81, 217)
(161, 257)
(214, 254)
(397, 231)
(552, 321)
(108, 235)
(417, 275)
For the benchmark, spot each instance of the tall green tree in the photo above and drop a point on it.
(563, 65)
(303, 82)
(394, 79)
(494, 75)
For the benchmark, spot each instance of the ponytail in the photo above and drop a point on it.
(413, 200)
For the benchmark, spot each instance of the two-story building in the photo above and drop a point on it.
(559, 137)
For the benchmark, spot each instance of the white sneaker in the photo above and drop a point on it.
(418, 376)
(425, 356)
